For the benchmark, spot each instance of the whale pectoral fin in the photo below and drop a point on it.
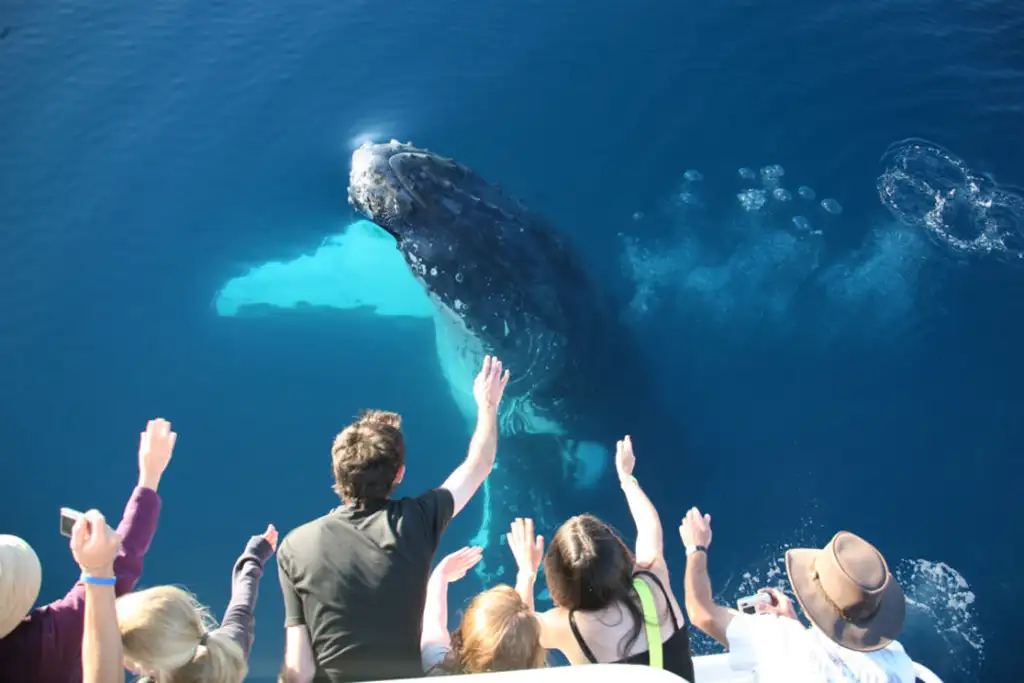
(360, 268)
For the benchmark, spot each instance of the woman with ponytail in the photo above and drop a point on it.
(169, 637)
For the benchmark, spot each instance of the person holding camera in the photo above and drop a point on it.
(95, 546)
(44, 645)
(854, 604)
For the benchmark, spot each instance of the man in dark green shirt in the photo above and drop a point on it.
(354, 581)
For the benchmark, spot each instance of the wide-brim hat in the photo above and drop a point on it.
(847, 591)
(21, 576)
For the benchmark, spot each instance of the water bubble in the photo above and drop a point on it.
(458, 277)
(433, 272)
(773, 171)
(752, 200)
(782, 194)
(832, 206)
(747, 174)
(802, 223)
(688, 198)
(638, 216)
(693, 176)
(806, 192)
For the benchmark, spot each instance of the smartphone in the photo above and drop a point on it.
(68, 517)
(748, 605)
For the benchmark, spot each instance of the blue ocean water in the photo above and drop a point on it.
(863, 378)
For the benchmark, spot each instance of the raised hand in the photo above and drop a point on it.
(527, 549)
(95, 545)
(454, 566)
(156, 445)
(695, 529)
(270, 536)
(625, 461)
(489, 385)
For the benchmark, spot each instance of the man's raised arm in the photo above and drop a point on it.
(468, 476)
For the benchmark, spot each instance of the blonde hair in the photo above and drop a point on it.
(498, 632)
(21, 575)
(162, 631)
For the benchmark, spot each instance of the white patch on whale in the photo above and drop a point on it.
(361, 268)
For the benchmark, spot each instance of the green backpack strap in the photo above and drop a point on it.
(650, 621)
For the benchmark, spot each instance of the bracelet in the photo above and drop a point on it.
(99, 580)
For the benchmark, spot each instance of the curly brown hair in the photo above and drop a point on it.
(367, 456)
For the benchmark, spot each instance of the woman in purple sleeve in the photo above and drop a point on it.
(168, 635)
(44, 645)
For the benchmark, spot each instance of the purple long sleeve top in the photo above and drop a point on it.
(46, 647)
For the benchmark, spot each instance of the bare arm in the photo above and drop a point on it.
(435, 642)
(524, 586)
(650, 538)
(695, 532)
(700, 605)
(299, 665)
(650, 543)
(488, 388)
(435, 613)
(470, 474)
(94, 546)
(102, 653)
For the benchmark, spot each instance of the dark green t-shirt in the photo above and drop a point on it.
(357, 579)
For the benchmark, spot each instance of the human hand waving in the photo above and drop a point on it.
(695, 529)
(94, 545)
(489, 385)
(455, 565)
(527, 549)
(156, 445)
(625, 461)
(270, 536)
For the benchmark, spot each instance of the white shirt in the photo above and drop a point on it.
(779, 649)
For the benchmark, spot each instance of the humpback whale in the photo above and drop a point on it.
(441, 242)
(505, 282)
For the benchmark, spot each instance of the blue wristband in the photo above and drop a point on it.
(99, 580)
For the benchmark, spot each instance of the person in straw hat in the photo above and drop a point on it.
(44, 645)
(854, 604)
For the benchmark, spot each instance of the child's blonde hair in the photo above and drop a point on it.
(166, 633)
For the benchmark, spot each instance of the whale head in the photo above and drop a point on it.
(480, 255)
(476, 251)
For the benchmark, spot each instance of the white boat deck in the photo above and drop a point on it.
(707, 669)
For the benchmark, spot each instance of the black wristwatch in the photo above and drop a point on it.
(691, 549)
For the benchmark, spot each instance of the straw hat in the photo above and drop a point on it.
(846, 590)
(20, 578)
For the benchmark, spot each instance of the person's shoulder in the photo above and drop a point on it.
(430, 501)
(894, 659)
(299, 537)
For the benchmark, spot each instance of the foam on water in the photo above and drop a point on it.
(966, 213)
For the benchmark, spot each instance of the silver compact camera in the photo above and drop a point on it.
(748, 604)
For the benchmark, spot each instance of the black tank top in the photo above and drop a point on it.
(675, 651)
